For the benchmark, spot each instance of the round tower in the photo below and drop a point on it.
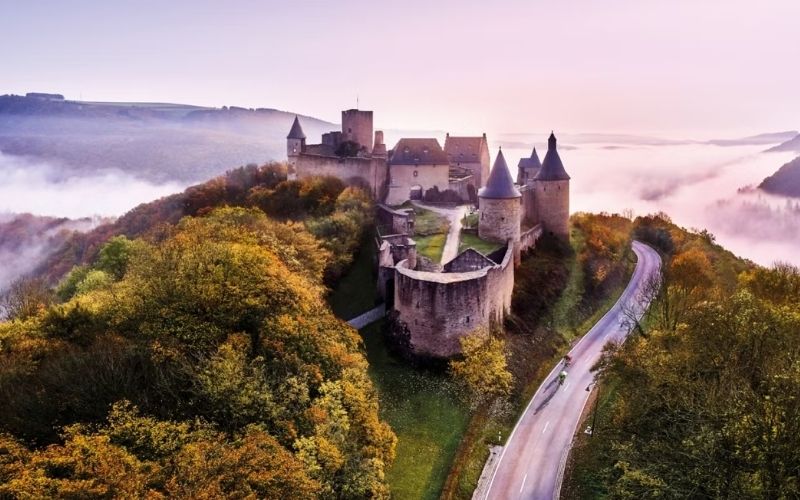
(296, 140)
(295, 145)
(551, 193)
(500, 204)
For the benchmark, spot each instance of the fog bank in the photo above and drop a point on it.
(698, 185)
(44, 188)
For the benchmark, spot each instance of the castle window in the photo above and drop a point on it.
(467, 319)
(416, 173)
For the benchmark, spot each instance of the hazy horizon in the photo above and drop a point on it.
(507, 67)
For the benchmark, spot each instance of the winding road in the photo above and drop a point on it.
(531, 465)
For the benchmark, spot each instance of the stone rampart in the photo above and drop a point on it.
(439, 309)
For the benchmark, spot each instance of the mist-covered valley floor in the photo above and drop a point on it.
(700, 185)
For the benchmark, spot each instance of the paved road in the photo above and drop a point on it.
(532, 463)
(454, 215)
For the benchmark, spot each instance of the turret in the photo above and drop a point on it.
(379, 148)
(296, 140)
(527, 168)
(500, 205)
(551, 192)
(295, 145)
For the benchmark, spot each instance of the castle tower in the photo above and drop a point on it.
(357, 127)
(527, 168)
(500, 205)
(551, 193)
(379, 149)
(295, 145)
(296, 140)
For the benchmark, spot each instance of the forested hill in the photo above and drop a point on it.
(264, 187)
(199, 360)
(157, 142)
(701, 401)
(786, 181)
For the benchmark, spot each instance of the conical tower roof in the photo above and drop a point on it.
(297, 130)
(499, 184)
(534, 159)
(552, 168)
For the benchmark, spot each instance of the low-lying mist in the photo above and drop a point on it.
(698, 185)
(43, 188)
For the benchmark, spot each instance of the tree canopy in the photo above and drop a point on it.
(202, 363)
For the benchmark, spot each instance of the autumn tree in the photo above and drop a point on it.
(482, 368)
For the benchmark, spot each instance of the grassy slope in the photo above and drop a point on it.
(471, 240)
(356, 291)
(421, 407)
(431, 246)
(430, 231)
(424, 412)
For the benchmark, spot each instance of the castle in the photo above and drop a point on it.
(434, 305)
(414, 169)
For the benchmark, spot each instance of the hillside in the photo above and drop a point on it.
(200, 360)
(790, 145)
(153, 141)
(700, 401)
(25, 240)
(786, 181)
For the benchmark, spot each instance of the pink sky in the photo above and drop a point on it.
(673, 67)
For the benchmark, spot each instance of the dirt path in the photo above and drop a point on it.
(454, 216)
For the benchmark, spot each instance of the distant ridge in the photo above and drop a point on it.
(786, 181)
(792, 145)
(757, 140)
(157, 142)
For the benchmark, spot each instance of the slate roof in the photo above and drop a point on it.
(552, 168)
(531, 163)
(463, 149)
(297, 130)
(499, 184)
(418, 152)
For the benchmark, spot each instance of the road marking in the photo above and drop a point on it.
(545, 427)
(566, 385)
(523, 483)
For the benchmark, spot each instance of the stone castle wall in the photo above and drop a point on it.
(404, 177)
(369, 172)
(500, 219)
(552, 206)
(528, 239)
(530, 216)
(441, 308)
(391, 221)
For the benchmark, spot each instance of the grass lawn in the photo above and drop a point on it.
(420, 406)
(356, 291)
(431, 246)
(424, 412)
(471, 240)
(427, 222)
